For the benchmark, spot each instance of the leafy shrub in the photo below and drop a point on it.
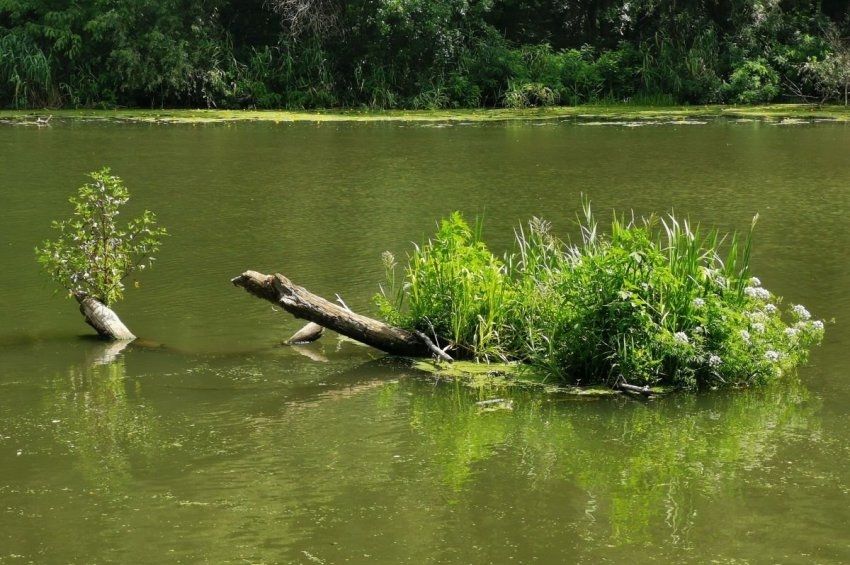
(653, 302)
(753, 82)
(830, 74)
(580, 78)
(529, 94)
(92, 253)
(453, 286)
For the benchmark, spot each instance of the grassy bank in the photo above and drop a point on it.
(587, 112)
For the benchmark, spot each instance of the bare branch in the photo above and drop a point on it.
(319, 18)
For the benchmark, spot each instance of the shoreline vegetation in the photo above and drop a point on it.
(607, 113)
(436, 55)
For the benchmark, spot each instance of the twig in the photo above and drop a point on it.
(434, 349)
(341, 301)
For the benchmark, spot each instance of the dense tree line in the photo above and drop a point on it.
(419, 53)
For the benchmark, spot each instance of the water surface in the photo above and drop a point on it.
(211, 442)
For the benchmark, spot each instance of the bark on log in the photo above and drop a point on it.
(105, 322)
(301, 303)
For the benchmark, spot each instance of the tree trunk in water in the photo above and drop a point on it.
(99, 316)
(301, 303)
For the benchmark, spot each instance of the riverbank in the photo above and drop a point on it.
(772, 112)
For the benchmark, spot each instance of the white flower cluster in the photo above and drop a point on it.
(745, 335)
(757, 292)
(791, 332)
(772, 356)
(714, 361)
(756, 315)
(818, 325)
(755, 281)
(699, 302)
(758, 327)
(681, 337)
(771, 309)
(800, 311)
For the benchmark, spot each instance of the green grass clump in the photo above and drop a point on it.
(653, 301)
(454, 287)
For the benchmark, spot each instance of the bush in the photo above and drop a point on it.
(454, 286)
(652, 302)
(529, 94)
(830, 75)
(753, 82)
(93, 254)
(580, 77)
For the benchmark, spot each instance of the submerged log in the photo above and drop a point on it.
(308, 334)
(301, 303)
(99, 316)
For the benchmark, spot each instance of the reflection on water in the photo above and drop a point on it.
(639, 464)
(285, 465)
(105, 425)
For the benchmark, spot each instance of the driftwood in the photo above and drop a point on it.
(309, 333)
(99, 316)
(301, 303)
(633, 389)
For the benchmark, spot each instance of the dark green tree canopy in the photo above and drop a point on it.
(413, 53)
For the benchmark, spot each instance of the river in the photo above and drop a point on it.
(211, 442)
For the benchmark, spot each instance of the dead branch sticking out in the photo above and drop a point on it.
(301, 303)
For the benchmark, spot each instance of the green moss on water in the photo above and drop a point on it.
(774, 112)
(506, 376)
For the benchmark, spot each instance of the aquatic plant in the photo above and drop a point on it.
(93, 254)
(454, 287)
(653, 301)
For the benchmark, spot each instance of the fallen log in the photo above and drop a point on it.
(102, 318)
(633, 389)
(303, 304)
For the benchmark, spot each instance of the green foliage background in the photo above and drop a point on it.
(410, 53)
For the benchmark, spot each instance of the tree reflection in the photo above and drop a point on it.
(642, 466)
(103, 422)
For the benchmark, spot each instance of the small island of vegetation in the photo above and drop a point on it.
(653, 302)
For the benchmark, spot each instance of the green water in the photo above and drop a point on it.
(210, 442)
